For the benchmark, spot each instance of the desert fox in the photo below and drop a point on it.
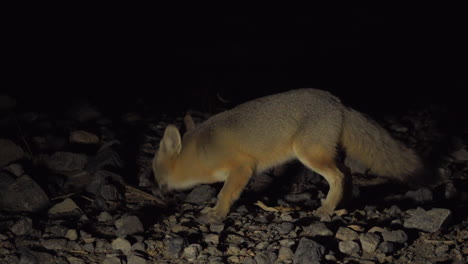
(303, 124)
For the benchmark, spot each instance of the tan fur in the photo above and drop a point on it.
(304, 124)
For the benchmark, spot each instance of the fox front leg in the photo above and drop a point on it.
(231, 190)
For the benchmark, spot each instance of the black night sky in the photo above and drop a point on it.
(381, 60)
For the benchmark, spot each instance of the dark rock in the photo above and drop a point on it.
(66, 161)
(308, 252)
(105, 158)
(421, 195)
(450, 191)
(65, 207)
(387, 247)
(265, 257)
(369, 242)
(9, 152)
(175, 246)
(22, 194)
(15, 169)
(429, 221)
(22, 227)
(346, 234)
(27, 257)
(348, 247)
(128, 225)
(285, 228)
(297, 197)
(398, 236)
(317, 229)
(54, 244)
(201, 194)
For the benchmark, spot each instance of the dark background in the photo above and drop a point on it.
(378, 60)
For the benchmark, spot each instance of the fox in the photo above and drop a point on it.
(301, 124)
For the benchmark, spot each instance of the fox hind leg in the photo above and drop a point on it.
(321, 159)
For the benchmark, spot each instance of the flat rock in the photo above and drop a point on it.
(135, 259)
(67, 161)
(201, 194)
(308, 252)
(54, 244)
(369, 242)
(398, 236)
(121, 244)
(348, 247)
(22, 227)
(285, 254)
(175, 246)
(66, 206)
(9, 152)
(317, 229)
(265, 257)
(429, 221)
(83, 137)
(346, 234)
(192, 252)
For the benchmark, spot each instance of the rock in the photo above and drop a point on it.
(54, 244)
(233, 259)
(386, 247)
(285, 228)
(212, 238)
(308, 252)
(346, 234)
(317, 229)
(192, 251)
(66, 206)
(201, 194)
(285, 254)
(112, 260)
(217, 227)
(460, 155)
(6, 102)
(105, 158)
(369, 242)
(175, 246)
(348, 247)
(72, 234)
(429, 221)
(128, 225)
(297, 197)
(139, 246)
(22, 227)
(421, 195)
(9, 152)
(135, 259)
(21, 194)
(15, 169)
(87, 237)
(234, 239)
(450, 191)
(66, 161)
(122, 244)
(398, 236)
(83, 137)
(265, 257)
(104, 217)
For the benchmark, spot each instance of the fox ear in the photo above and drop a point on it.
(170, 144)
(189, 124)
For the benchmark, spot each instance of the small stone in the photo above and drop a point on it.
(346, 234)
(376, 229)
(234, 239)
(122, 244)
(112, 260)
(285, 254)
(21, 194)
(308, 252)
(66, 206)
(386, 247)
(212, 238)
(22, 227)
(54, 244)
(192, 251)
(421, 195)
(9, 152)
(233, 259)
(262, 245)
(441, 250)
(16, 169)
(265, 257)
(86, 237)
(135, 259)
(429, 221)
(72, 234)
(104, 217)
(356, 228)
(67, 161)
(179, 228)
(460, 155)
(128, 225)
(450, 191)
(297, 197)
(89, 247)
(139, 246)
(398, 236)
(201, 194)
(217, 228)
(232, 251)
(317, 229)
(285, 228)
(83, 137)
(3, 237)
(348, 247)
(369, 242)
(175, 246)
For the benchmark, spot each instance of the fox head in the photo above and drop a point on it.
(173, 166)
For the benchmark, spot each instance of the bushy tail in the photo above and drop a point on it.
(366, 141)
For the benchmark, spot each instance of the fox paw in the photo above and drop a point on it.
(210, 216)
(324, 211)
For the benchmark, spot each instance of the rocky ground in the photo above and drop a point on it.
(76, 187)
